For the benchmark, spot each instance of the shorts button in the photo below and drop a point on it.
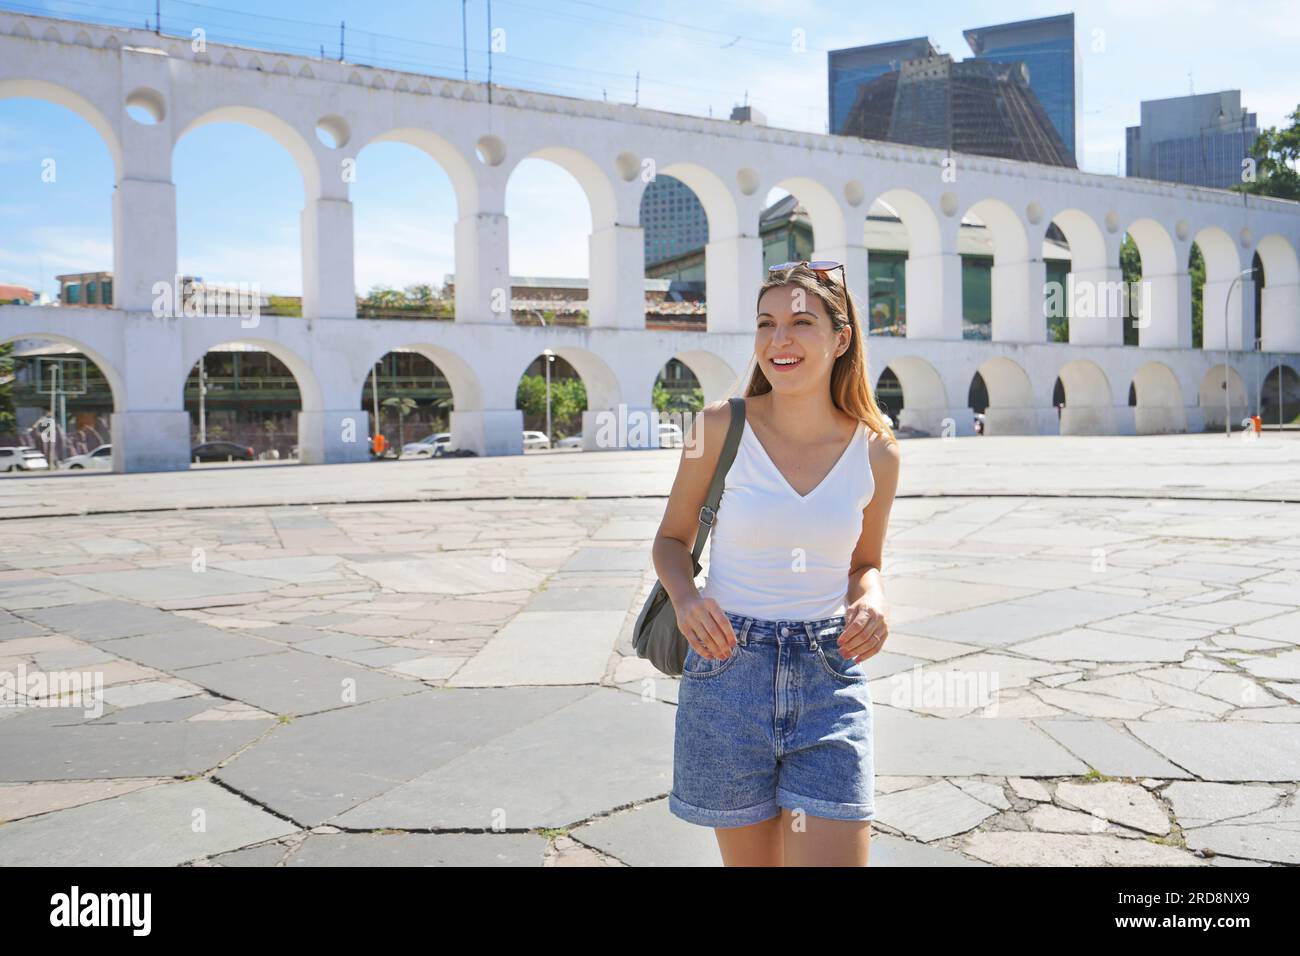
(785, 632)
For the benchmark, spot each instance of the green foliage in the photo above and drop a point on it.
(568, 402)
(1277, 157)
(676, 401)
(8, 420)
(1130, 267)
(1196, 269)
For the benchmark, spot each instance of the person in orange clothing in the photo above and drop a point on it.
(378, 444)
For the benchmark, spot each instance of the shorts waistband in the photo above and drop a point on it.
(762, 631)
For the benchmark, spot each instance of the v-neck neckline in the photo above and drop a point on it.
(857, 431)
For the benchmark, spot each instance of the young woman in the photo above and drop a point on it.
(773, 744)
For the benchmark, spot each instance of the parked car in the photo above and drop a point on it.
(101, 458)
(536, 440)
(221, 451)
(670, 435)
(19, 458)
(431, 446)
(573, 441)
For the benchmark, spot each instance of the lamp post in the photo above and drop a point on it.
(1227, 408)
(550, 357)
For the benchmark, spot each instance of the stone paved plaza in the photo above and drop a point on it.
(1094, 659)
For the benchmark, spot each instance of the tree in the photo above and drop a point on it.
(404, 407)
(1130, 267)
(1196, 269)
(1277, 161)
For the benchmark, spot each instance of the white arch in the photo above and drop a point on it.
(1011, 398)
(267, 122)
(823, 210)
(1159, 408)
(719, 204)
(442, 152)
(715, 374)
(1089, 408)
(62, 96)
(309, 386)
(111, 374)
(1210, 397)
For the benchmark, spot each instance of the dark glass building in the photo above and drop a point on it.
(850, 69)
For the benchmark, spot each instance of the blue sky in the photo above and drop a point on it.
(239, 196)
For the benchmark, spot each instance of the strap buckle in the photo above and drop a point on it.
(708, 515)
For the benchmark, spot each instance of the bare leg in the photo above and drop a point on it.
(758, 844)
(818, 841)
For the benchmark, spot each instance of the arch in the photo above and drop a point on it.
(1010, 241)
(309, 386)
(1159, 409)
(600, 381)
(715, 374)
(1222, 261)
(111, 374)
(829, 231)
(718, 201)
(442, 152)
(1087, 242)
(925, 403)
(1210, 396)
(593, 180)
(1281, 265)
(466, 389)
(1011, 408)
(62, 96)
(918, 218)
(286, 135)
(1089, 408)
(1280, 297)
(1279, 395)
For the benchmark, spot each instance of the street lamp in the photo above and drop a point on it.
(1227, 408)
(550, 357)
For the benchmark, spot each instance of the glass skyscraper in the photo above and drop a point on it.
(852, 69)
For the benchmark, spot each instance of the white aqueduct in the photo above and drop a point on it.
(478, 136)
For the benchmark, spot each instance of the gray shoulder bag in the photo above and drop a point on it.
(656, 635)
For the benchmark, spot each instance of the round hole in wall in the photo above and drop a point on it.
(854, 193)
(747, 180)
(146, 106)
(333, 131)
(628, 166)
(490, 150)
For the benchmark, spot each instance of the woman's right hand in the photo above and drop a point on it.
(706, 627)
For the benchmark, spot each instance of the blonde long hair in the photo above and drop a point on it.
(851, 390)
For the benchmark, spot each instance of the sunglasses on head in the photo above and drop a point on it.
(823, 267)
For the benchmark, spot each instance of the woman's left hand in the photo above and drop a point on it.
(866, 626)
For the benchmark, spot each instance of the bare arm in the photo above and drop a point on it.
(866, 625)
(706, 627)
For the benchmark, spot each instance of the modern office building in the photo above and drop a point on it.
(1046, 47)
(1199, 140)
(969, 106)
(672, 218)
(1042, 69)
(849, 70)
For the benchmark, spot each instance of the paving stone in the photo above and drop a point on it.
(1029, 789)
(992, 746)
(44, 593)
(1097, 645)
(458, 573)
(190, 646)
(545, 647)
(933, 812)
(1284, 666)
(1124, 803)
(84, 750)
(150, 827)
(1050, 819)
(1198, 804)
(149, 584)
(420, 849)
(583, 599)
(1107, 750)
(104, 620)
(1010, 622)
(605, 749)
(268, 854)
(1272, 834)
(319, 766)
(18, 800)
(1226, 751)
(1010, 848)
(292, 682)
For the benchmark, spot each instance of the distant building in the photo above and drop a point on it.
(1199, 140)
(673, 219)
(1046, 47)
(853, 68)
(969, 106)
(1022, 84)
(16, 295)
(87, 289)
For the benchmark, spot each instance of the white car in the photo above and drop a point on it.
(20, 458)
(101, 458)
(431, 446)
(536, 440)
(573, 441)
(670, 435)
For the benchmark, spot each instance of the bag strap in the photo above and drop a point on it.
(709, 512)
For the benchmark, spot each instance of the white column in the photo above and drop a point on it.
(489, 432)
(483, 268)
(616, 290)
(1018, 314)
(328, 275)
(1280, 322)
(333, 437)
(1214, 298)
(1168, 299)
(144, 241)
(1097, 303)
(733, 271)
(933, 296)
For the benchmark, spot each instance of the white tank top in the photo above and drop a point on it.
(776, 555)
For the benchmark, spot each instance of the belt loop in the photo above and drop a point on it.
(743, 636)
(812, 635)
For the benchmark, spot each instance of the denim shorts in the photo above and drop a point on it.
(785, 721)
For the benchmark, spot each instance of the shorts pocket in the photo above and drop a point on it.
(836, 664)
(697, 666)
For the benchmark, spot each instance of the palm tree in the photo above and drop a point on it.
(404, 407)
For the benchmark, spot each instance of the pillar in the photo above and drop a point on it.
(328, 276)
(733, 271)
(616, 291)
